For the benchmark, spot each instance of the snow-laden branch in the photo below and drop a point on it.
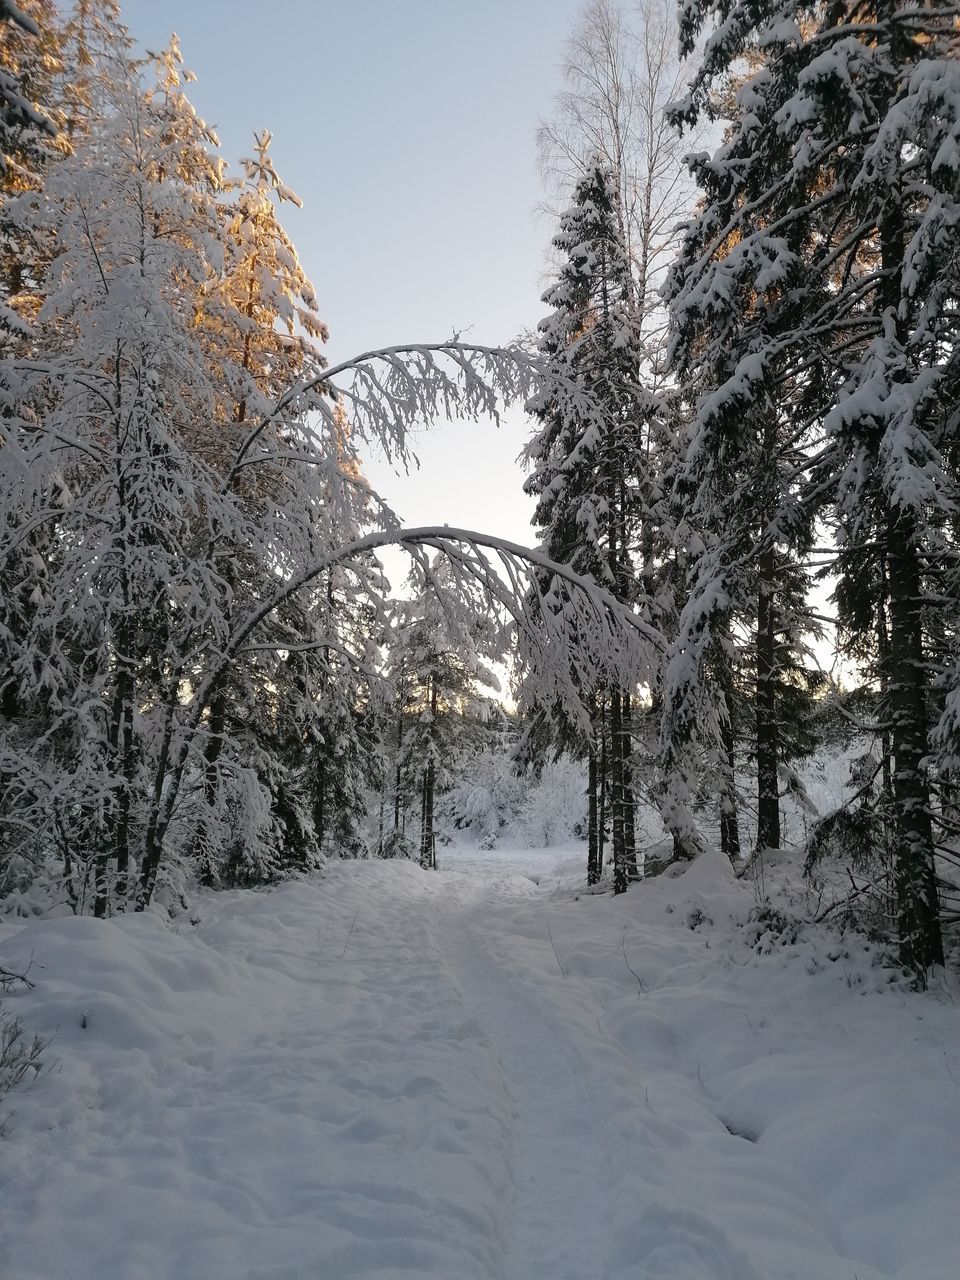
(581, 629)
(387, 390)
(444, 539)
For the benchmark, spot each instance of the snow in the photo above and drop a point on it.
(382, 1073)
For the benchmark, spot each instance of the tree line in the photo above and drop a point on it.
(781, 409)
(200, 651)
(745, 382)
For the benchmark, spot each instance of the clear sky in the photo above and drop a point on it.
(408, 129)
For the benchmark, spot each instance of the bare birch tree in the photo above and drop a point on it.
(621, 69)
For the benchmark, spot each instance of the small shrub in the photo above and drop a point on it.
(397, 845)
(21, 1056)
(767, 928)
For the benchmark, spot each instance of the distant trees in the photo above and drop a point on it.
(437, 668)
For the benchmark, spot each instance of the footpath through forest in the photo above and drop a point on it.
(478, 1074)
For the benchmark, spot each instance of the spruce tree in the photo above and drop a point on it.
(819, 277)
(437, 654)
(587, 457)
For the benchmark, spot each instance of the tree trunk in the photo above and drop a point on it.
(768, 782)
(593, 844)
(918, 915)
(426, 821)
(429, 783)
(398, 768)
(888, 804)
(125, 799)
(614, 564)
(320, 805)
(616, 793)
(921, 942)
(121, 720)
(629, 803)
(211, 785)
(729, 824)
(602, 794)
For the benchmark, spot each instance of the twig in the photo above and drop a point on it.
(554, 945)
(349, 935)
(623, 952)
(8, 977)
(858, 891)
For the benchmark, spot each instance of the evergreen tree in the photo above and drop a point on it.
(436, 663)
(488, 792)
(587, 457)
(29, 59)
(26, 126)
(823, 268)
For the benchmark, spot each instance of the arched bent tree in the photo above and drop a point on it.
(570, 625)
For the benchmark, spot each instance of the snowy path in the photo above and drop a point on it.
(612, 1185)
(558, 1172)
(385, 1075)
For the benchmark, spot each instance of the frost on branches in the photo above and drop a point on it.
(818, 284)
(193, 609)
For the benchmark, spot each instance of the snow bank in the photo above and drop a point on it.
(776, 1105)
(389, 1074)
(269, 1095)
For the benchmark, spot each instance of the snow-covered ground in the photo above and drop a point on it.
(385, 1074)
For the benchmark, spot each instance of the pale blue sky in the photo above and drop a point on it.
(408, 129)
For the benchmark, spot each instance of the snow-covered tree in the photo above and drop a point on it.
(184, 512)
(26, 126)
(436, 663)
(587, 459)
(103, 429)
(29, 48)
(823, 267)
(486, 796)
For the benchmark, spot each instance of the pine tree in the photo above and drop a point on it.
(29, 59)
(26, 126)
(621, 68)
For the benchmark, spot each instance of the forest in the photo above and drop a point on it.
(741, 450)
(581, 908)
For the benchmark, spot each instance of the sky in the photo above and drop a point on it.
(408, 128)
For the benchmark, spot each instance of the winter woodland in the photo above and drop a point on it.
(735, 638)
